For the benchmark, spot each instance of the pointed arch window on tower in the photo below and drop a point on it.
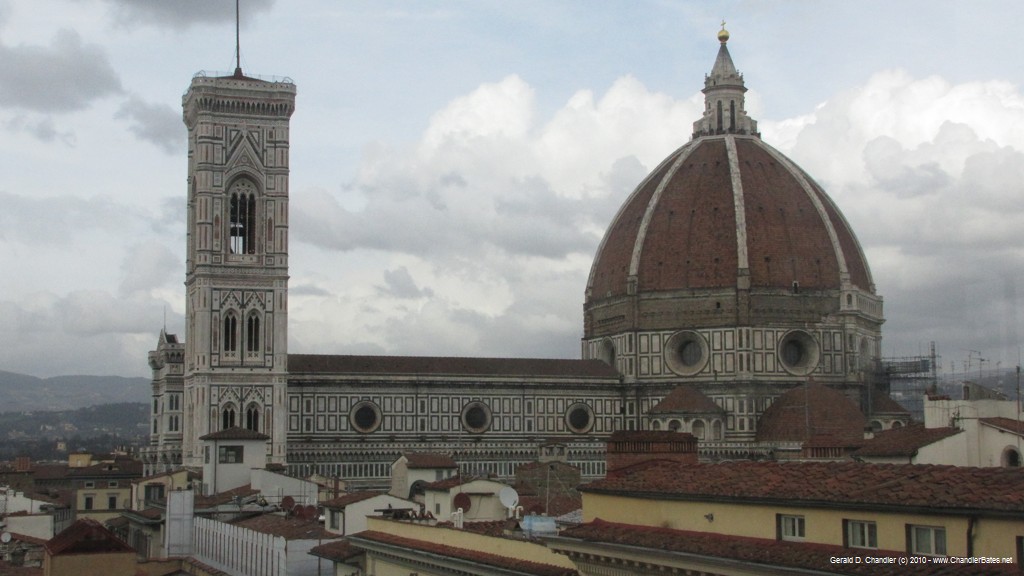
(252, 333)
(242, 219)
(252, 418)
(230, 333)
(228, 417)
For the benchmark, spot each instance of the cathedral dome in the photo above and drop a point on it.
(728, 218)
(722, 212)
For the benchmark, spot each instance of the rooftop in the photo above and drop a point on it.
(86, 536)
(287, 527)
(235, 433)
(312, 364)
(734, 549)
(516, 565)
(686, 400)
(904, 441)
(951, 489)
(429, 460)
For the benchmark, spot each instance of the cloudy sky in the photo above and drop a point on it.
(454, 164)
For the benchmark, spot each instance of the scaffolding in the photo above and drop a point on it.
(910, 378)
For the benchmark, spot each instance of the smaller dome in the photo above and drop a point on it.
(806, 412)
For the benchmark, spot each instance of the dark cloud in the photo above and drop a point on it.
(65, 76)
(181, 14)
(158, 124)
(400, 284)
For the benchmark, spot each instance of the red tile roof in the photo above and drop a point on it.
(686, 399)
(1007, 424)
(950, 489)
(884, 404)
(338, 551)
(792, 555)
(214, 500)
(287, 527)
(517, 566)
(811, 410)
(429, 460)
(86, 536)
(235, 433)
(351, 498)
(904, 441)
(300, 364)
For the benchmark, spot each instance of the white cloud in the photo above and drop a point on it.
(931, 176)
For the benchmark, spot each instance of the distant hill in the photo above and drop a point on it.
(22, 393)
(99, 428)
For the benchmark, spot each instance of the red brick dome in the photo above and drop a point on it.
(727, 211)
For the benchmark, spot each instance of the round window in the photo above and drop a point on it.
(365, 417)
(476, 417)
(686, 353)
(579, 418)
(798, 352)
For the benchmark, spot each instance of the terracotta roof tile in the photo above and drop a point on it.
(300, 364)
(884, 404)
(338, 551)
(86, 536)
(429, 460)
(513, 564)
(214, 500)
(287, 527)
(351, 498)
(904, 441)
(810, 410)
(1008, 424)
(798, 555)
(890, 486)
(686, 399)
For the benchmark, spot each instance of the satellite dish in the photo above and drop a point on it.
(5, 537)
(288, 503)
(462, 500)
(508, 497)
(309, 512)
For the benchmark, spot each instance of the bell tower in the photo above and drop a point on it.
(236, 279)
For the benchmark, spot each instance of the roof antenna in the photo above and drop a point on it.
(238, 49)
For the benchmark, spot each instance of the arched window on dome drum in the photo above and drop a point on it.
(252, 334)
(227, 417)
(242, 220)
(698, 429)
(252, 418)
(719, 116)
(732, 115)
(230, 333)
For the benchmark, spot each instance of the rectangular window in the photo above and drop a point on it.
(111, 502)
(155, 492)
(790, 527)
(335, 520)
(90, 484)
(229, 454)
(860, 534)
(206, 454)
(87, 504)
(926, 540)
